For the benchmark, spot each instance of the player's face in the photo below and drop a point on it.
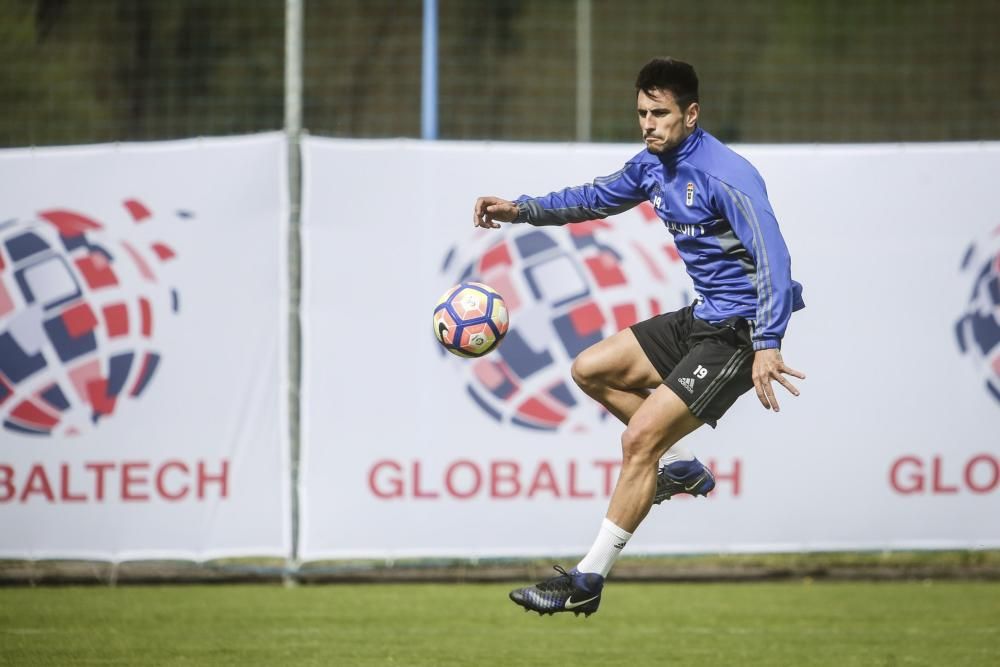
(663, 124)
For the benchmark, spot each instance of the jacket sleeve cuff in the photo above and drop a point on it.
(522, 212)
(767, 344)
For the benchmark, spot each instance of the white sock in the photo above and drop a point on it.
(677, 453)
(607, 548)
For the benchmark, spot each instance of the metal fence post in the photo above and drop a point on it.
(429, 70)
(583, 70)
(293, 134)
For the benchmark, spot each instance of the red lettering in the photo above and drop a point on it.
(939, 487)
(396, 488)
(38, 482)
(573, 491)
(916, 479)
(172, 479)
(161, 487)
(129, 480)
(733, 477)
(476, 476)
(100, 469)
(222, 479)
(610, 474)
(544, 480)
(417, 491)
(6, 484)
(64, 493)
(510, 478)
(994, 473)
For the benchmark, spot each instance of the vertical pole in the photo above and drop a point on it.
(429, 71)
(293, 135)
(583, 70)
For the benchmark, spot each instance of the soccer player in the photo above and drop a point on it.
(666, 376)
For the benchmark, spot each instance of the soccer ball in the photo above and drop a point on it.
(470, 319)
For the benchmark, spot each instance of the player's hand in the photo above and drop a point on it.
(767, 366)
(490, 209)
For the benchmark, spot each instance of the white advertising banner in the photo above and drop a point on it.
(142, 350)
(410, 451)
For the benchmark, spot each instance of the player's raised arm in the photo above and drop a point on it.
(607, 195)
(489, 209)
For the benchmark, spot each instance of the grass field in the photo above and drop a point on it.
(800, 623)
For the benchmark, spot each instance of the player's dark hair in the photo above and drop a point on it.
(676, 76)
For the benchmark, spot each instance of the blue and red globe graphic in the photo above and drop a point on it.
(79, 309)
(978, 330)
(566, 288)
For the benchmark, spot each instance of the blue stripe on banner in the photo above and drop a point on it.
(15, 363)
(526, 424)
(985, 330)
(25, 245)
(56, 398)
(572, 341)
(968, 256)
(562, 394)
(152, 361)
(447, 259)
(74, 242)
(467, 274)
(533, 243)
(520, 358)
(487, 408)
(66, 346)
(22, 429)
(119, 366)
(993, 389)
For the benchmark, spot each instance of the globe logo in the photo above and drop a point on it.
(79, 309)
(978, 330)
(566, 288)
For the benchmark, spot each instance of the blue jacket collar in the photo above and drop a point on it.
(686, 147)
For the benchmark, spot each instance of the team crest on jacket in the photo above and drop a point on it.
(689, 195)
(566, 288)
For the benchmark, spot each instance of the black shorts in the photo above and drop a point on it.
(708, 365)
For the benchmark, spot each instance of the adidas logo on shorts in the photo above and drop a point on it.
(687, 383)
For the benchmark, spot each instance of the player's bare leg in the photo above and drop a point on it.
(661, 420)
(617, 374)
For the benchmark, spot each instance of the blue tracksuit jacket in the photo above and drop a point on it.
(714, 202)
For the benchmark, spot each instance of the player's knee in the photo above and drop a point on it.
(586, 373)
(639, 446)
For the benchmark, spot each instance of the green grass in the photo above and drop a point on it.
(799, 623)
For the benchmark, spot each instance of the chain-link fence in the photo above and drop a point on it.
(772, 71)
